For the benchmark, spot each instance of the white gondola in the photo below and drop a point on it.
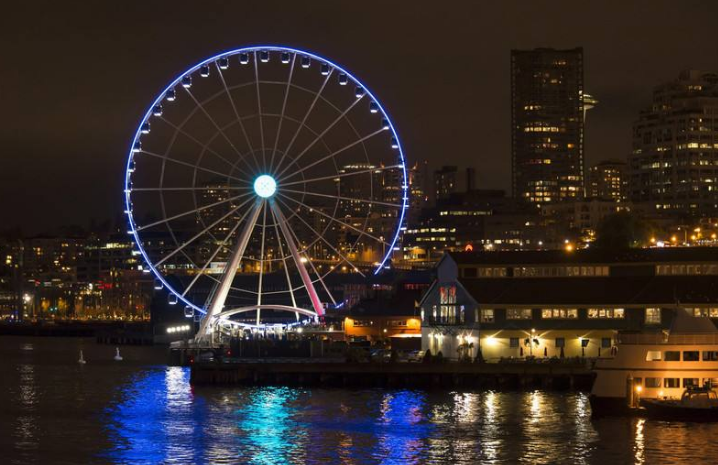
(188, 312)
(131, 167)
(158, 285)
(394, 143)
(359, 92)
(385, 124)
(373, 107)
(306, 61)
(157, 110)
(343, 79)
(325, 69)
(264, 56)
(187, 82)
(244, 58)
(223, 63)
(172, 299)
(170, 95)
(285, 57)
(137, 147)
(146, 270)
(204, 71)
(145, 128)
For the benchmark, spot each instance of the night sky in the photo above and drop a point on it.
(76, 77)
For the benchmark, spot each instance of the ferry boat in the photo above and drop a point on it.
(659, 366)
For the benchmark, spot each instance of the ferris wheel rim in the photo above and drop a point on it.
(134, 232)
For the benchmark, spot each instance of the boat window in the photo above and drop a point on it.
(691, 382)
(710, 356)
(712, 382)
(691, 356)
(672, 356)
(653, 356)
(671, 382)
(653, 382)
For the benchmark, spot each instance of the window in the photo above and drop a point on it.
(396, 323)
(706, 312)
(710, 356)
(691, 382)
(363, 323)
(671, 382)
(518, 313)
(653, 316)
(487, 315)
(513, 342)
(594, 313)
(560, 342)
(672, 356)
(653, 356)
(713, 382)
(606, 342)
(691, 356)
(562, 313)
(653, 382)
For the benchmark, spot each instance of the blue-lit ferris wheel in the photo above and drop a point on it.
(256, 174)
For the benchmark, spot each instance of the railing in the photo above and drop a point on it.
(663, 338)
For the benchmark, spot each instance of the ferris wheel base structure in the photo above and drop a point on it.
(262, 159)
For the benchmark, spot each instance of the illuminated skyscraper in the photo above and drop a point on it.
(608, 180)
(674, 162)
(547, 115)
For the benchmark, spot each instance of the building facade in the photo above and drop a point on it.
(558, 304)
(547, 125)
(608, 180)
(673, 166)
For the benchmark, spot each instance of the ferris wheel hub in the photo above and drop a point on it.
(265, 186)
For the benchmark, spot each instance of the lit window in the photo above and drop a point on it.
(653, 316)
(518, 313)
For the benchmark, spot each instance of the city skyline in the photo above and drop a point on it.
(451, 89)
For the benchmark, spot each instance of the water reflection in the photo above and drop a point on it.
(639, 446)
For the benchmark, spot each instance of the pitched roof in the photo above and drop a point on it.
(530, 257)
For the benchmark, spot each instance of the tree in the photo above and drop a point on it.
(622, 230)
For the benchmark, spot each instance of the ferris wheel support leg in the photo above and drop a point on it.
(217, 303)
(306, 280)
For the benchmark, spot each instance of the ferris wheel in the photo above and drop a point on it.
(257, 175)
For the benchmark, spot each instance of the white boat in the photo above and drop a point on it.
(660, 365)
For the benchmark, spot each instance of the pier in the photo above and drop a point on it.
(338, 373)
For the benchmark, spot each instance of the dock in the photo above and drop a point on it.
(338, 373)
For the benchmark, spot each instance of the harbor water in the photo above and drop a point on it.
(139, 411)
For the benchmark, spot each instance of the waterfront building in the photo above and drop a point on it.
(557, 303)
(608, 180)
(547, 124)
(580, 218)
(673, 166)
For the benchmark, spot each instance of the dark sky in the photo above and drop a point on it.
(77, 76)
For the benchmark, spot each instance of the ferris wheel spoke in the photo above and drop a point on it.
(259, 117)
(341, 116)
(281, 116)
(320, 236)
(331, 155)
(200, 234)
(203, 145)
(222, 245)
(239, 119)
(152, 189)
(342, 175)
(350, 199)
(189, 212)
(311, 263)
(284, 259)
(331, 218)
(304, 120)
(214, 123)
(261, 257)
(190, 165)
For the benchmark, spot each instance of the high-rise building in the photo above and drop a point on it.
(445, 182)
(674, 163)
(547, 116)
(608, 180)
